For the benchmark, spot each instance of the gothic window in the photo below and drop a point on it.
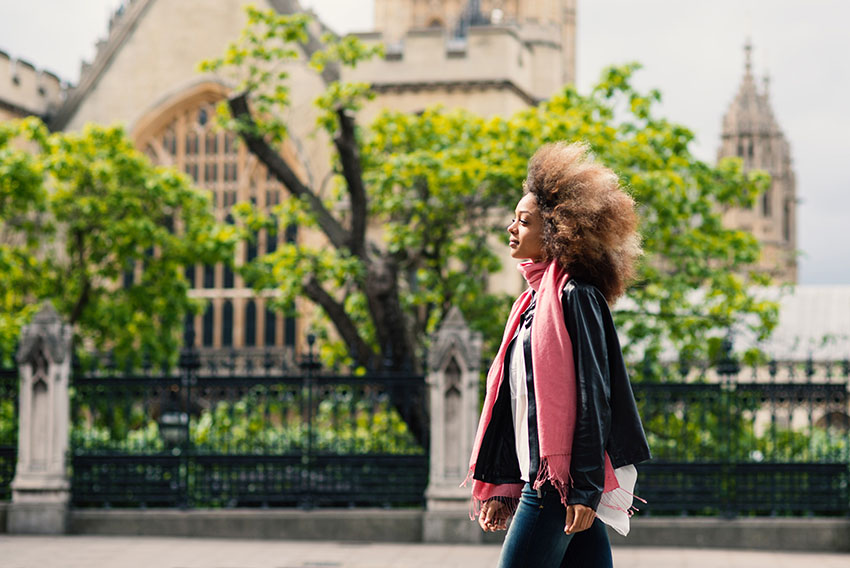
(251, 324)
(228, 270)
(786, 221)
(191, 144)
(766, 205)
(169, 142)
(227, 324)
(129, 276)
(208, 326)
(190, 275)
(272, 235)
(251, 252)
(270, 325)
(188, 329)
(210, 172)
(209, 276)
(183, 134)
(149, 253)
(289, 331)
(211, 143)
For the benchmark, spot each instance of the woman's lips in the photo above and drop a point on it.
(513, 243)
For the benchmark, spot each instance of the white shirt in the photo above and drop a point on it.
(519, 401)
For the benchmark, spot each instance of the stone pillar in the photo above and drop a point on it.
(41, 489)
(453, 381)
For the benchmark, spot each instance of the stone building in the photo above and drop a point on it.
(27, 91)
(751, 132)
(489, 56)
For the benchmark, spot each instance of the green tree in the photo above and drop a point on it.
(78, 212)
(439, 183)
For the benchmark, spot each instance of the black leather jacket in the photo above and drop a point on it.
(607, 418)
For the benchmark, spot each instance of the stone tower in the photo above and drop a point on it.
(750, 132)
(541, 24)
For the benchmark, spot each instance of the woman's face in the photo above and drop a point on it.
(526, 230)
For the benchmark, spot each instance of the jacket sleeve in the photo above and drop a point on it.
(585, 310)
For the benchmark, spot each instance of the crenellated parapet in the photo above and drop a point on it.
(25, 90)
(540, 23)
(526, 60)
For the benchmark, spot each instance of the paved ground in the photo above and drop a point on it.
(147, 552)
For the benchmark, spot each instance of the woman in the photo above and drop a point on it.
(559, 432)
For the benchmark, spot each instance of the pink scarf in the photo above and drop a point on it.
(554, 386)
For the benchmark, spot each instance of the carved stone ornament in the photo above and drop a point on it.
(454, 334)
(46, 332)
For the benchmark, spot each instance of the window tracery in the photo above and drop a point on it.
(182, 134)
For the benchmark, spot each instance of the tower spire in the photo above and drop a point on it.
(748, 56)
(752, 134)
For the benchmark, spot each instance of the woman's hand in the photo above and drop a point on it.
(494, 516)
(579, 518)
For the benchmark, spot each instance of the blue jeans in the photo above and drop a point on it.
(536, 537)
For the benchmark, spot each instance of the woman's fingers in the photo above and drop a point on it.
(579, 518)
(485, 518)
(493, 516)
(482, 518)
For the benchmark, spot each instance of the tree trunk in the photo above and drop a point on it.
(396, 345)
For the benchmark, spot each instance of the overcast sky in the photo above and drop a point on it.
(692, 50)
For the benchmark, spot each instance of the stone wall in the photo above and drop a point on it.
(488, 55)
(25, 90)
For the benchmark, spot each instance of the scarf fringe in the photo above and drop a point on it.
(468, 477)
(560, 481)
(621, 500)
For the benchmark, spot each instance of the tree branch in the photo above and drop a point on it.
(330, 72)
(349, 155)
(335, 232)
(346, 328)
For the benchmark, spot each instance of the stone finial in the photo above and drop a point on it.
(748, 56)
(454, 335)
(48, 330)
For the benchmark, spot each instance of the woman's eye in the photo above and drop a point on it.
(523, 222)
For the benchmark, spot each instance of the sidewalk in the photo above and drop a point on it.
(149, 552)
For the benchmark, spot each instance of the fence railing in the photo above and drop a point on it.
(769, 441)
(8, 425)
(245, 435)
(261, 429)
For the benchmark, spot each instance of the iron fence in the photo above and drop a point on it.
(8, 425)
(262, 429)
(245, 430)
(773, 440)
